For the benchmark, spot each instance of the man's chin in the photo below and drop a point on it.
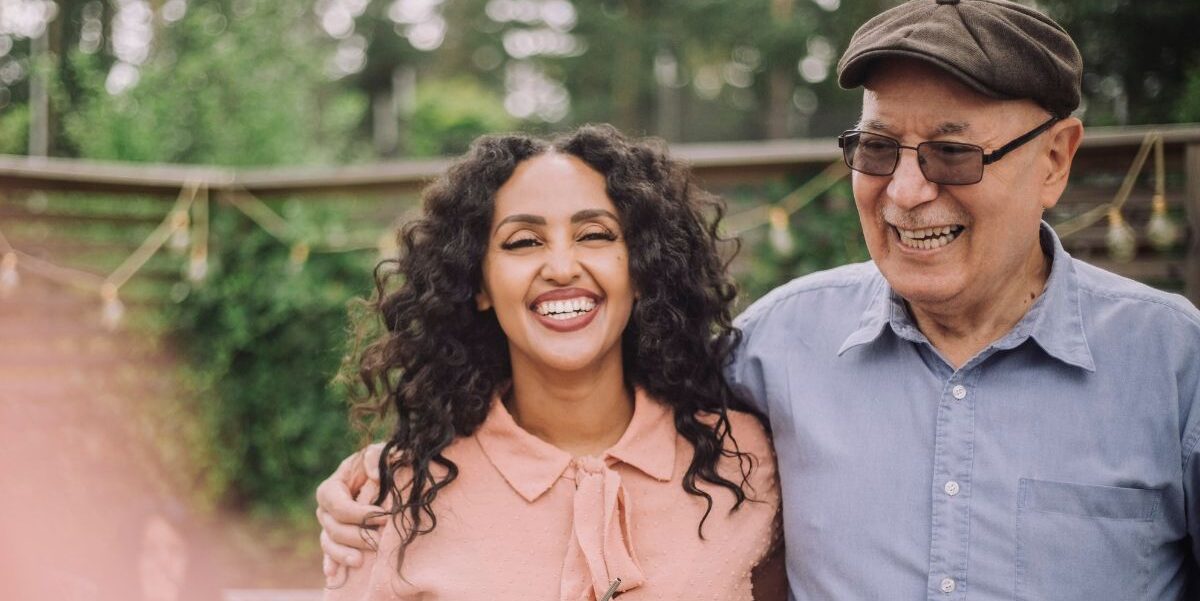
(926, 292)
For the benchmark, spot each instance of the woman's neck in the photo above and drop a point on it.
(582, 413)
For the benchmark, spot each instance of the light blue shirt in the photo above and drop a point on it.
(1059, 464)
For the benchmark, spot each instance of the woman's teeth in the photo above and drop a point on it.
(566, 309)
(929, 238)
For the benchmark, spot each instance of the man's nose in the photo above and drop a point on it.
(908, 187)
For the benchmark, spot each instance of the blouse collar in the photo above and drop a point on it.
(531, 465)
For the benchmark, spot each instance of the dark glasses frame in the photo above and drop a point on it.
(848, 141)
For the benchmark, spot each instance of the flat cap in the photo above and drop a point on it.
(999, 48)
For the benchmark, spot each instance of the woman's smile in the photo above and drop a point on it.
(566, 309)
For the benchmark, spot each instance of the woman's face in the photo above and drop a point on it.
(556, 269)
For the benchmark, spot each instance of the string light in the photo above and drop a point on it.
(780, 235)
(113, 310)
(9, 277)
(197, 269)
(180, 234)
(1121, 239)
(1162, 231)
(298, 256)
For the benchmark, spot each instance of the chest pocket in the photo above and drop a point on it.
(1083, 542)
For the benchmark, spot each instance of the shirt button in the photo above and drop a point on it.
(951, 488)
(959, 391)
(948, 585)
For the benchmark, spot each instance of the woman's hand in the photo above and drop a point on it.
(343, 508)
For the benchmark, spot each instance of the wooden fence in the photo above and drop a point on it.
(89, 215)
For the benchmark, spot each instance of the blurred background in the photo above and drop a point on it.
(191, 191)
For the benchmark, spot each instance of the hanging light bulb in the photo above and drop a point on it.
(1121, 239)
(113, 310)
(1162, 230)
(9, 277)
(197, 269)
(298, 256)
(180, 232)
(780, 235)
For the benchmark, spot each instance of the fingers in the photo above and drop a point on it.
(351, 471)
(338, 554)
(335, 573)
(347, 535)
(335, 498)
(371, 460)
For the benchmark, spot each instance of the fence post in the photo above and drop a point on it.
(1191, 171)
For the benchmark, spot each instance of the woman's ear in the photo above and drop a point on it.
(483, 302)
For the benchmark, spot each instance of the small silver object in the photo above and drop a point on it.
(612, 589)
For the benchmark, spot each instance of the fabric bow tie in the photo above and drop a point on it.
(600, 549)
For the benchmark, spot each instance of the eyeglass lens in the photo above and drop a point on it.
(940, 162)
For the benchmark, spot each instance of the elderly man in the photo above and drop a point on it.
(973, 414)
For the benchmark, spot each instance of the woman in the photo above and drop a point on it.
(553, 361)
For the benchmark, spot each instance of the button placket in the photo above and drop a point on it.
(952, 463)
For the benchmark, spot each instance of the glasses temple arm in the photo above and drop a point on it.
(1017, 143)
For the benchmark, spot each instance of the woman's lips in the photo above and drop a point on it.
(566, 309)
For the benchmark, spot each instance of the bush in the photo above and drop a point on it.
(265, 340)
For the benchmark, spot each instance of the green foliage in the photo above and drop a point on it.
(262, 340)
(265, 339)
(220, 93)
(824, 234)
(14, 129)
(451, 113)
(1187, 109)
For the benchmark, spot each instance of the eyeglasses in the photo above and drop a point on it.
(949, 163)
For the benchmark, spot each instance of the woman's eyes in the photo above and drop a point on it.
(598, 235)
(519, 243)
(590, 235)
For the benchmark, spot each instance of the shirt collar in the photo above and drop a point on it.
(1055, 321)
(531, 465)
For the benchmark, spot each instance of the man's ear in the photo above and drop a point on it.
(483, 302)
(1064, 139)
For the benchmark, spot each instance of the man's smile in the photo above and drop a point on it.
(928, 238)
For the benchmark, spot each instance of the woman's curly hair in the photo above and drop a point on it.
(436, 367)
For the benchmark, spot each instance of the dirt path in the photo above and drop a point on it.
(88, 507)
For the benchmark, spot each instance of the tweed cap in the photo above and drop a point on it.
(999, 48)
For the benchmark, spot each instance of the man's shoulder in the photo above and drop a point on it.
(843, 285)
(1115, 292)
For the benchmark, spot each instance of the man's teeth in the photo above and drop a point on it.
(929, 238)
(566, 309)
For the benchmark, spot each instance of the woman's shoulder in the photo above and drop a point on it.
(746, 431)
(751, 434)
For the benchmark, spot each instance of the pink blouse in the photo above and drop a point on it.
(525, 521)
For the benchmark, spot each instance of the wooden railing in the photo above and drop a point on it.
(46, 203)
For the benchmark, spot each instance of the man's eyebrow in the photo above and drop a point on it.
(522, 218)
(950, 128)
(945, 128)
(586, 214)
(875, 124)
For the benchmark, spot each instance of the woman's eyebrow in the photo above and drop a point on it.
(586, 214)
(522, 218)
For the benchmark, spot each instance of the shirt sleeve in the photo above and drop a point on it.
(1191, 475)
(744, 371)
